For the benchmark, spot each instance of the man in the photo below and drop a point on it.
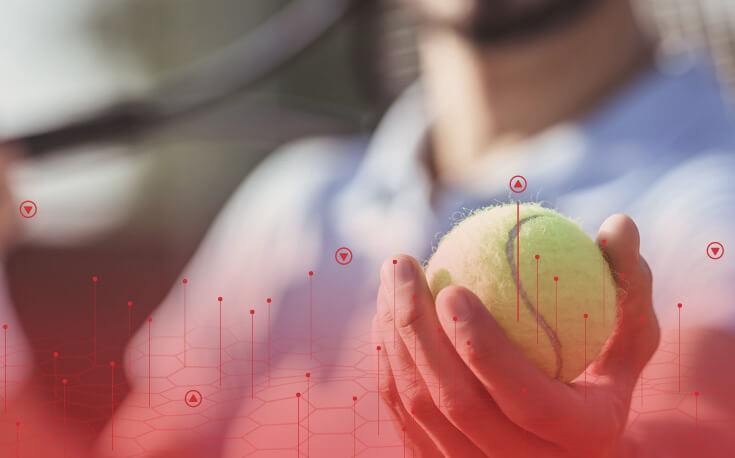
(565, 93)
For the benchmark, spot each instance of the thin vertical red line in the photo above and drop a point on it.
(5, 368)
(415, 353)
(17, 438)
(454, 381)
(537, 315)
(112, 405)
(696, 423)
(518, 261)
(184, 282)
(354, 426)
(220, 340)
(94, 317)
(413, 445)
(268, 301)
(378, 393)
(149, 361)
(585, 357)
(395, 261)
(252, 353)
(604, 315)
(311, 335)
(438, 369)
(679, 307)
(298, 425)
(63, 382)
(404, 442)
(556, 305)
(56, 355)
(308, 409)
(130, 334)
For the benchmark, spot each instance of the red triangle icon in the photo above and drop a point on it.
(28, 208)
(343, 256)
(193, 399)
(518, 184)
(715, 250)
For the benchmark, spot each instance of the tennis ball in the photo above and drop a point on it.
(562, 274)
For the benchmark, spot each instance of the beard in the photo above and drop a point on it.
(496, 21)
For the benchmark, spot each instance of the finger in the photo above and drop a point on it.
(417, 439)
(525, 395)
(636, 335)
(457, 393)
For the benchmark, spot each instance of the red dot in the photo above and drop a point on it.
(585, 315)
(678, 305)
(311, 272)
(56, 354)
(64, 381)
(5, 326)
(298, 395)
(308, 374)
(469, 342)
(696, 393)
(130, 303)
(622, 274)
(94, 278)
(150, 319)
(354, 398)
(556, 278)
(641, 319)
(219, 298)
(454, 318)
(395, 261)
(604, 241)
(252, 312)
(268, 300)
(403, 428)
(415, 297)
(185, 281)
(537, 256)
(378, 347)
(112, 363)
(523, 389)
(17, 423)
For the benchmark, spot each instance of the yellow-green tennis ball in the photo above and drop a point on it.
(481, 253)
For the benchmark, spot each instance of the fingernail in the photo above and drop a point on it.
(404, 270)
(456, 307)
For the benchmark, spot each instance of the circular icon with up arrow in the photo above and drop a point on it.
(193, 398)
(715, 250)
(28, 209)
(518, 184)
(343, 256)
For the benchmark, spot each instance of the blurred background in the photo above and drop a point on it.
(131, 208)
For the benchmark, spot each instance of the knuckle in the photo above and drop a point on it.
(419, 405)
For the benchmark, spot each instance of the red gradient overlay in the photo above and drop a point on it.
(293, 395)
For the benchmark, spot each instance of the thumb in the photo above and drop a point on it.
(636, 334)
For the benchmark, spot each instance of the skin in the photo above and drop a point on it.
(503, 403)
(489, 96)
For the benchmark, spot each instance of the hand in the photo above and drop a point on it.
(483, 397)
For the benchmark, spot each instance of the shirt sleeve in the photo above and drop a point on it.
(681, 219)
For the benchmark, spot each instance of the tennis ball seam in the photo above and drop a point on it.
(553, 338)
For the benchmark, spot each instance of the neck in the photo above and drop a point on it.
(491, 96)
